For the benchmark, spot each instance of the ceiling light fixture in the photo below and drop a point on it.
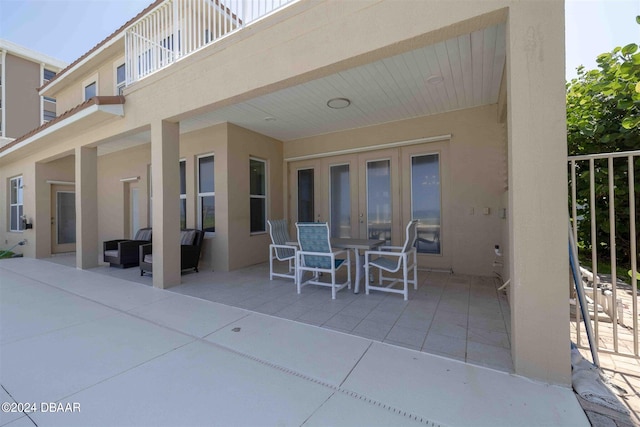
(338, 103)
(269, 119)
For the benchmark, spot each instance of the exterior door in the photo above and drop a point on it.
(379, 196)
(63, 219)
(425, 198)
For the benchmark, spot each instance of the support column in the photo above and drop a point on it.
(165, 178)
(86, 207)
(538, 217)
(43, 214)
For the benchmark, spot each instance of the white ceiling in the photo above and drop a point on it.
(391, 89)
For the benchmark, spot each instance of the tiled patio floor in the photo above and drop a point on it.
(459, 317)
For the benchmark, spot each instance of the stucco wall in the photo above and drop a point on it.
(73, 93)
(22, 101)
(231, 246)
(244, 248)
(475, 168)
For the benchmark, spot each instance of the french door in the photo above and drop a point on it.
(353, 193)
(373, 195)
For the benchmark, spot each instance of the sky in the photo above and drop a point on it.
(66, 29)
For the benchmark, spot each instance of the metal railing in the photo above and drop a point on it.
(177, 28)
(594, 209)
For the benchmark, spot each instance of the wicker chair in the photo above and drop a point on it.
(123, 253)
(190, 248)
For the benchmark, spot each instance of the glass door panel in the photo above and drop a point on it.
(63, 218)
(306, 195)
(340, 201)
(379, 207)
(66, 231)
(426, 202)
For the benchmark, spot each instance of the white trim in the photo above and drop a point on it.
(200, 195)
(88, 82)
(371, 148)
(3, 78)
(41, 98)
(111, 42)
(18, 203)
(259, 196)
(31, 55)
(117, 64)
(130, 179)
(117, 109)
(52, 181)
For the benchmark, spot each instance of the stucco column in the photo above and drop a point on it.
(43, 214)
(538, 218)
(165, 179)
(86, 207)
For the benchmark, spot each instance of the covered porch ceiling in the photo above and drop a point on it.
(459, 73)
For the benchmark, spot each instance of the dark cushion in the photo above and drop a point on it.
(143, 234)
(187, 237)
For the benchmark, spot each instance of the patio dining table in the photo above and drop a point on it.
(359, 247)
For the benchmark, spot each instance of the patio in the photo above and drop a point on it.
(455, 316)
(127, 354)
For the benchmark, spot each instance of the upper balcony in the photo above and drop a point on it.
(175, 29)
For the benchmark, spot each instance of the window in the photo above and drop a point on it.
(48, 115)
(48, 75)
(15, 204)
(90, 91)
(120, 79)
(258, 195)
(425, 201)
(183, 194)
(206, 194)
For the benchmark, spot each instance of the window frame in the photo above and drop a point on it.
(18, 203)
(88, 82)
(259, 196)
(183, 196)
(440, 191)
(119, 87)
(200, 195)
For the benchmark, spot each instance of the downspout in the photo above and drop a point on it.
(3, 80)
(41, 97)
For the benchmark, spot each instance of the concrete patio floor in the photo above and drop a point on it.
(130, 354)
(456, 316)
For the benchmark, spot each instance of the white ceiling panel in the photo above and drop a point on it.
(470, 68)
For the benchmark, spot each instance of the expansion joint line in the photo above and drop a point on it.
(337, 389)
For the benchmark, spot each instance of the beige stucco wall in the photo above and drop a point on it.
(475, 168)
(73, 92)
(112, 201)
(22, 101)
(244, 248)
(231, 246)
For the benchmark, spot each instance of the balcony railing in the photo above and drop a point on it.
(604, 205)
(176, 28)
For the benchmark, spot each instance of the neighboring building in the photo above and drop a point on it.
(22, 72)
(365, 114)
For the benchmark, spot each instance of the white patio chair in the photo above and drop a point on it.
(392, 259)
(279, 250)
(315, 255)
